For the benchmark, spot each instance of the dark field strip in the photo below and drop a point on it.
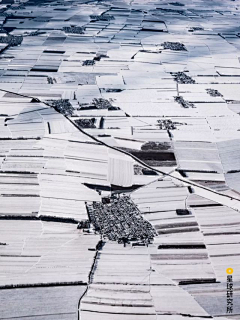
(41, 218)
(44, 285)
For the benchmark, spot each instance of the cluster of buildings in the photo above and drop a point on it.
(120, 220)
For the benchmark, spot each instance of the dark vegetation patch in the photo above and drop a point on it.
(175, 46)
(102, 17)
(6, 14)
(177, 4)
(157, 146)
(183, 103)
(214, 93)
(166, 124)
(11, 40)
(181, 77)
(62, 105)
(50, 80)
(101, 103)
(171, 11)
(35, 33)
(74, 30)
(98, 103)
(88, 63)
(114, 90)
(86, 123)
